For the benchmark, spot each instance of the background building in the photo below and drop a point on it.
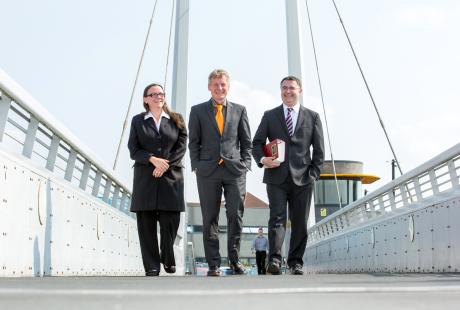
(350, 178)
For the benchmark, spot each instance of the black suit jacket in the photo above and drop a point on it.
(150, 193)
(206, 145)
(303, 166)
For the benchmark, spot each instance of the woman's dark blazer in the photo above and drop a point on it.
(167, 192)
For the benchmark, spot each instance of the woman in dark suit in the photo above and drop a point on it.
(157, 144)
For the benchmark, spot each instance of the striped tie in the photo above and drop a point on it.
(289, 122)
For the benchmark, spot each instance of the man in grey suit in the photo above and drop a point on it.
(220, 155)
(290, 182)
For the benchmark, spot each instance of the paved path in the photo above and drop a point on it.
(318, 292)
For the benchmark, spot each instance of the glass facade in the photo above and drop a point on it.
(327, 198)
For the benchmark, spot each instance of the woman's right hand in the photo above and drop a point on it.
(157, 173)
(160, 163)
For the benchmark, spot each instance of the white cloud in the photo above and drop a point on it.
(255, 100)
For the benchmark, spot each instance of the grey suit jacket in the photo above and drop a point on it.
(207, 147)
(303, 166)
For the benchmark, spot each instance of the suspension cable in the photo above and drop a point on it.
(368, 89)
(134, 88)
(324, 107)
(169, 44)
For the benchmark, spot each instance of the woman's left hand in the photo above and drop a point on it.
(158, 173)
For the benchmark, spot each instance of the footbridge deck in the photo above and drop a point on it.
(319, 291)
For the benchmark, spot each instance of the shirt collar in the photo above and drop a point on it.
(214, 102)
(296, 107)
(150, 115)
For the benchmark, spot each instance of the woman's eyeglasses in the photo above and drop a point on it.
(155, 95)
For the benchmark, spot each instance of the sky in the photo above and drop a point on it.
(79, 60)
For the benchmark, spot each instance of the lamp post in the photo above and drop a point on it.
(393, 169)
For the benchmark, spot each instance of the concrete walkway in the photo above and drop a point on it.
(344, 291)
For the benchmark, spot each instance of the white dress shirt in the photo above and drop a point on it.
(163, 114)
(294, 114)
(294, 117)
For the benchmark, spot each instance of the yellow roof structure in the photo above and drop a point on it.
(365, 178)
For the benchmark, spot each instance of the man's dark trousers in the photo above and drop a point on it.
(260, 260)
(298, 200)
(210, 191)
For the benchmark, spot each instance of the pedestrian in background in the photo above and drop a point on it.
(260, 246)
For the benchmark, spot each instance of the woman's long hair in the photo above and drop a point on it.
(176, 117)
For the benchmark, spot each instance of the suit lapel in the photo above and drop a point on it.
(211, 115)
(300, 118)
(228, 115)
(164, 124)
(280, 113)
(151, 123)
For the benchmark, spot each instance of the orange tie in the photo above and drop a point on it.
(220, 118)
(220, 123)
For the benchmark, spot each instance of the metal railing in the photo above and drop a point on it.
(429, 181)
(27, 128)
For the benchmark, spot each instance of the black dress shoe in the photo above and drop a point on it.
(297, 270)
(170, 269)
(213, 271)
(273, 267)
(237, 268)
(152, 273)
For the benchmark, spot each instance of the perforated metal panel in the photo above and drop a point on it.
(400, 238)
(50, 227)
(454, 235)
(423, 235)
(425, 239)
(441, 242)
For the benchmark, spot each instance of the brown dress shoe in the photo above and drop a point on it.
(170, 269)
(152, 273)
(237, 268)
(273, 268)
(213, 271)
(297, 270)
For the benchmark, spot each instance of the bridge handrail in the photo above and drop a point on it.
(438, 175)
(12, 92)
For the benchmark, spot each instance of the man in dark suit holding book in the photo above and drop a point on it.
(289, 183)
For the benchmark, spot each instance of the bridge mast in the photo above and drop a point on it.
(179, 98)
(179, 84)
(294, 35)
(295, 52)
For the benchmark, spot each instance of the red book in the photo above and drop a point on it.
(276, 148)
